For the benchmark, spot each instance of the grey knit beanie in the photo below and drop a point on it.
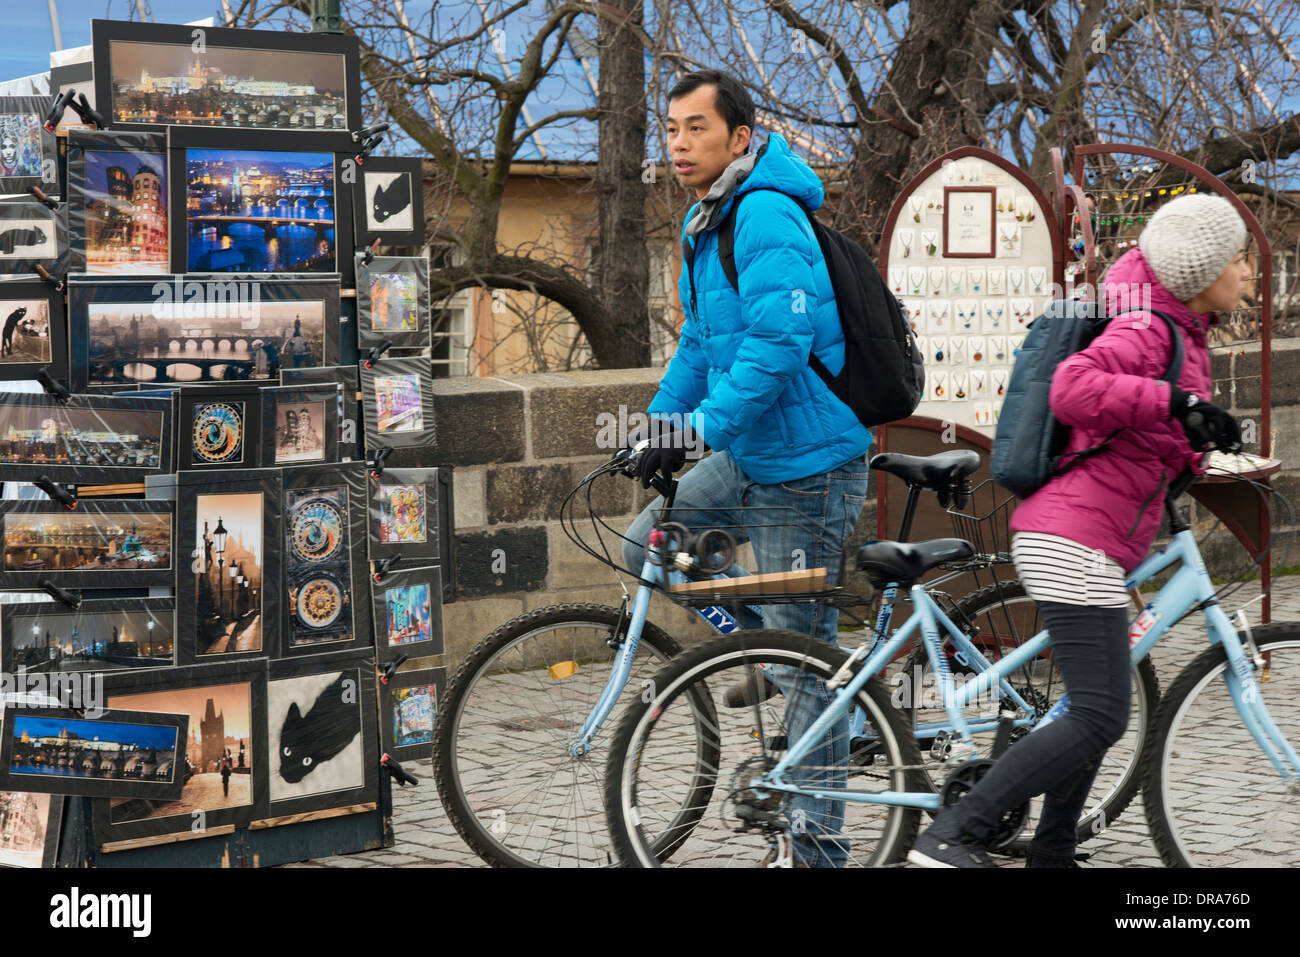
(1190, 240)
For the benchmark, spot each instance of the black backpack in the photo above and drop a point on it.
(883, 378)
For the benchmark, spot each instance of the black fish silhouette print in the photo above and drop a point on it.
(11, 239)
(392, 199)
(307, 742)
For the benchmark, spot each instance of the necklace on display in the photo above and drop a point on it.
(906, 240)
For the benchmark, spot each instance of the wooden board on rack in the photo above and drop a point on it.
(782, 583)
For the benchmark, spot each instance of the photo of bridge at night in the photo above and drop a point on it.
(31, 435)
(92, 749)
(171, 83)
(161, 342)
(59, 640)
(259, 211)
(86, 541)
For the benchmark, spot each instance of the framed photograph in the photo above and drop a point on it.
(117, 203)
(326, 597)
(29, 828)
(108, 635)
(388, 201)
(393, 395)
(393, 302)
(220, 429)
(320, 732)
(405, 515)
(300, 425)
(968, 216)
(34, 332)
(305, 85)
(224, 764)
(345, 377)
(88, 439)
(229, 602)
(117, 754)
(198, 331)
(408, 613)
(28, 155)
(408, 708)
(265, 205)
(101, 543)
(31, 235)
(79, 78)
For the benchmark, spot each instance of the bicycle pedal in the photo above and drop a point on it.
(940, 746)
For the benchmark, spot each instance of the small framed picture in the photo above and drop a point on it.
(393, 302)
(346, 379)
(300, 425)
(28, 155)
(29, 828)
(388, 201)
(969, 213)
(79, 78)
(35, 330)
(394, 393)
(115, 754)
(223, 428)
(408, 709)
(108, 635)
(408, 612)
(31, 235)
(406, 515)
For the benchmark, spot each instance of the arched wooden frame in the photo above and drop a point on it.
(1054, 229)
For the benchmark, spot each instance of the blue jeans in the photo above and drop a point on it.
(825, 510)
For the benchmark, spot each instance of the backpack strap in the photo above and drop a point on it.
(1172, 372)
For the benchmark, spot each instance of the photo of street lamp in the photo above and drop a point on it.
(229, 530)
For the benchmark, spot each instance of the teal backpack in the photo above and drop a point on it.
(1029, 444)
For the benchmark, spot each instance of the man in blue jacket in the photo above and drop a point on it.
(740, 382)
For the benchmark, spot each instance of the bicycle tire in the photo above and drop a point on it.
(1121, 783)
(1208, 833)
(690, 673)
(486, 830)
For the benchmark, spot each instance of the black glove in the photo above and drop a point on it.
(1206, 425)
(667, 452)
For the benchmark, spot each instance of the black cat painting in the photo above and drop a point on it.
(391, 200)
(11, 240)
(315, 731)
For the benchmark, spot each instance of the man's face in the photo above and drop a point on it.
(698, 141)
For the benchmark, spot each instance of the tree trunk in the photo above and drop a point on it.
(621, 258)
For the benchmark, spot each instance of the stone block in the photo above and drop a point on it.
(502, 561)
(520, 493)
(469, 498)
(1284, 375)
(585, 413)
(466, 623)
(478, 421)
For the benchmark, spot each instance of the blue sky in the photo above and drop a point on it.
(141, 735)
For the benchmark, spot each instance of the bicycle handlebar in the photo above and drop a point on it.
(627, 461)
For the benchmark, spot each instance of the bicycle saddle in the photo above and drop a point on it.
(905, 562)
(936, 472)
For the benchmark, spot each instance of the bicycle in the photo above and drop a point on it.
(886, 793)
(498, 767)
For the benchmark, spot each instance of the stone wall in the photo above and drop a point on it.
(519, 445)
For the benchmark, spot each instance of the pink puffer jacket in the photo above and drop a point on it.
(1113, 501)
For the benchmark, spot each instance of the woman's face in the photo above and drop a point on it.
(8, 151)
(1224, 293)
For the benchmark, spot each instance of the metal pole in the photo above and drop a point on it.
(325, 17)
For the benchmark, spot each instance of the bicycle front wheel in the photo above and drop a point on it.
(502, 738)
(654, 771)
(1212, 798)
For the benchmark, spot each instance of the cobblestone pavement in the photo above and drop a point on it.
(425, 836)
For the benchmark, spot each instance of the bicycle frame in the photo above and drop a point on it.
(1190, 588)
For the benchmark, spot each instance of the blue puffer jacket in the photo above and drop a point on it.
(741, 369)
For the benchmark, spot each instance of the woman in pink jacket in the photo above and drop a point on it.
(1077, 537)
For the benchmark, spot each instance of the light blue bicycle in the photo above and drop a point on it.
(518, 741)
(1221, 769)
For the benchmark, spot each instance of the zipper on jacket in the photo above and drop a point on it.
(1142, 510)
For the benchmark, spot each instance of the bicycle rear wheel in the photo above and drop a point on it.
(1003, 616)
(1212, 798)
(653, 771)
(501, 740)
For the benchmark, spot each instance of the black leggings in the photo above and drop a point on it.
(1091, 650)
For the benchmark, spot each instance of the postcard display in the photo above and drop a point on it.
(972, 254)
(237, 594)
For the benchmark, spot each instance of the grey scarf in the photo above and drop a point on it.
(708, 213)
